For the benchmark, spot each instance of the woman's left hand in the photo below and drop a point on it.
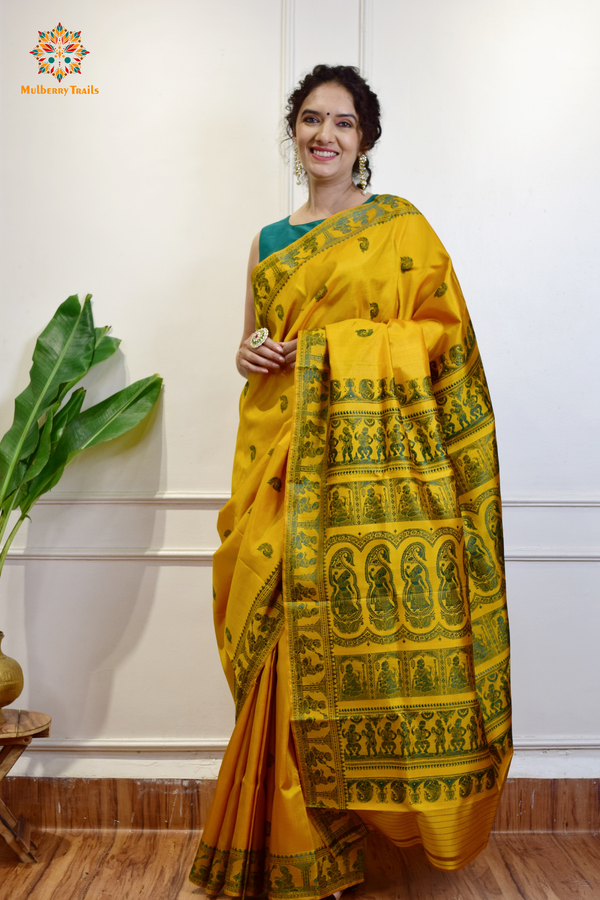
(289, 352)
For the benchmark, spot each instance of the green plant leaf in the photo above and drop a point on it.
(68, 412)
(42, 451)
(106, 420)
(111, 417)
(62, 355)
(31, 440)
(7, 502)
(105, 346)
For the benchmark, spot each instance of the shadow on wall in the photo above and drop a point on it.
(85, 612)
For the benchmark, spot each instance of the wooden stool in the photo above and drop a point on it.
(15, 736)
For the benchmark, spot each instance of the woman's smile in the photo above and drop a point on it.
(320, 153)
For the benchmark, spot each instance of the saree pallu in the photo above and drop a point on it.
(359, 592)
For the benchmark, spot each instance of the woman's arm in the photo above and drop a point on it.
(269, 357)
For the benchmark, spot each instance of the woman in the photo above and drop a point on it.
(355, 401)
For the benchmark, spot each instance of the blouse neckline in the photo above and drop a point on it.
(318, 221)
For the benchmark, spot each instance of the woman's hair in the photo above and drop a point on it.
(365, 103)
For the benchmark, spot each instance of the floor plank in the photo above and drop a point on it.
(182, 804)
(101, 865)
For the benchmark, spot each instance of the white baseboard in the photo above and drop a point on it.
(219, 745)
(125, 745)
(204, 765)
(535, 757)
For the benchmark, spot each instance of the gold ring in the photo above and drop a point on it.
(259, 337)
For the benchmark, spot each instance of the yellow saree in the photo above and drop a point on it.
(359, 592)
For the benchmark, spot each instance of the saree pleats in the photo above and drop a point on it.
(232, 850)
(260, 835)
(359, 589)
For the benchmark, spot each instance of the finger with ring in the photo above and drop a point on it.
(259, 337)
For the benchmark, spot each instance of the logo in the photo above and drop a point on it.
(59, 52)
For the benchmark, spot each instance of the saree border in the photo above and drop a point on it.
(326, 769)
(254, 650)
(270, 276)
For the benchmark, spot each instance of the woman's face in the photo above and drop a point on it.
(328, 136)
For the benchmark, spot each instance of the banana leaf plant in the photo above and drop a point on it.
(49, 428)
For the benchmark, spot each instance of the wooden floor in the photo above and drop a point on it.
(99, 865)
(182, 804)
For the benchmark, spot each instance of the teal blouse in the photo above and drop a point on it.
(281, 234)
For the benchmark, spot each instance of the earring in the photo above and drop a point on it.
(362, 172)
(298, 167)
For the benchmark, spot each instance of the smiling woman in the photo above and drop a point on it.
(318, 132)
(359, 588)
(327, 138)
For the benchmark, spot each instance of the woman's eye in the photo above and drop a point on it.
(346, 124)
(310, 119)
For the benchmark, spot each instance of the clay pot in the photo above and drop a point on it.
(11, 680)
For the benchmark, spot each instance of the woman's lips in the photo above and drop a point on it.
(323, 154)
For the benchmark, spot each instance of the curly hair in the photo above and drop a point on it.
(365, 103)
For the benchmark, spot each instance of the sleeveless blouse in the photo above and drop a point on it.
(281, 234)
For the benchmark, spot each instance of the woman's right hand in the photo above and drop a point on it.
(266, 359)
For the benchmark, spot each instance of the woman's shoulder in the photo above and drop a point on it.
(406, 221)
(274, 226)
(404, 215)
(393, 201)
(273, 237)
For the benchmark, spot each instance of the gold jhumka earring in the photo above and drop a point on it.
(362, 172)
(298, 167)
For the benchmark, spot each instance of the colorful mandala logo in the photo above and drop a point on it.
(59, 52)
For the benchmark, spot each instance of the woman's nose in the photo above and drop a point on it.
(325, 132)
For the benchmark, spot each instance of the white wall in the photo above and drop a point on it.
(148, 193)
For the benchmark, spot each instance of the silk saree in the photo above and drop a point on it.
(359, 592)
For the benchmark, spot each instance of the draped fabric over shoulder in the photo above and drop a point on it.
(359, 592)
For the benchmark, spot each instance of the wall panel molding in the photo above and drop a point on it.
(111, 554)
(566, 541)
(216, 499)
(365, 38)
(287, 81)
(204, 555)
(553, 555)
(173, 499)
(575, 502)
